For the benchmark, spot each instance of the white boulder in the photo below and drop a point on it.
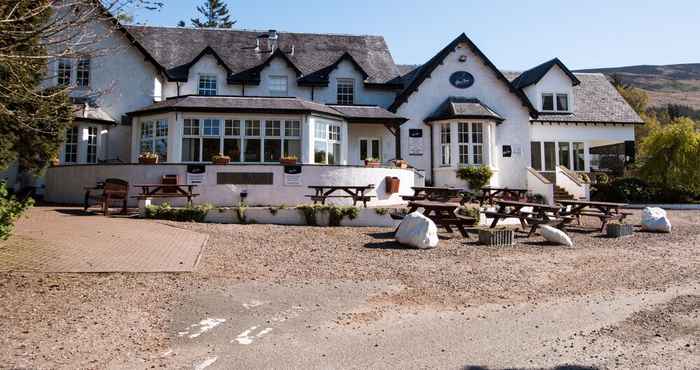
(417, 231)
(554, 235)
(655, 219)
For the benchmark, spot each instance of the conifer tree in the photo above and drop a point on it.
(216, 15)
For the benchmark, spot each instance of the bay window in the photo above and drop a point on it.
(251, 140)
(470, 139)
(327, 139)
(154, 138)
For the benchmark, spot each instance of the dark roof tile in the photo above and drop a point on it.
(461, 107)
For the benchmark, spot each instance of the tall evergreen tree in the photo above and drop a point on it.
(216, 15)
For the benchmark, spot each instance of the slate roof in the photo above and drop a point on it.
(85, 112)
(595, 100)
(533, 75)
(175, 49)
(461, 107)
(368, 114)
(266, 104)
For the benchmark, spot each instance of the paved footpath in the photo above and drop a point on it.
(62, 239)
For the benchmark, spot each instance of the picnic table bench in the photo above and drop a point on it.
(490, 194)
(434, 193)
(604, 211)
(355, 192)
(164, 191)
(443, 214)
(541, 214)
(105, 192)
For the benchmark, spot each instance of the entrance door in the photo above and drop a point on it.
(370, 148)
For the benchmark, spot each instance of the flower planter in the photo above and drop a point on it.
(392, 184)
(372, 164)
(288, 162)
(54, 162)
(496, 237)
(222, 161)
(148, 160)
(619, 230)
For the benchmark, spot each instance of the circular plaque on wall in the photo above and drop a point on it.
(462, 79)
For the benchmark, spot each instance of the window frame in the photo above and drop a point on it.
(370, 151)
(64, 66)
(271, 84)
(551, 95)
(331, 136)
(467, 149)
(71, 132)
(445, 144)
(345, 91)
(556, 101)
(91, 145)
(210, 77)
(159, 132)
(82, 73)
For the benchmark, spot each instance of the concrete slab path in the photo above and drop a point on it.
(65, 239)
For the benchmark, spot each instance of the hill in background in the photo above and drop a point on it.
(675, 84)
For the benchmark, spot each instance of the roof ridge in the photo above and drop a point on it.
(252, 30)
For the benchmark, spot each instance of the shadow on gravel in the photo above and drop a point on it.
(561, 367)
(76, 212)
(386, 235)
(388, 245)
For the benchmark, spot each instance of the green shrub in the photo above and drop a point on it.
(476, 176)
(381, 211)
(472, 212)
(669, 156)
(188, 214)
(635, 190)
(336, 213)
(11, 210)
(602, 178)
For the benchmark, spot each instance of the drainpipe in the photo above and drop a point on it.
(432, 155)
(242, 88)
(312, 93)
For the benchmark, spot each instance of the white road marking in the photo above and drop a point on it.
(252, 304)
(204, 326)
(245, 338)
(166, 353)
(206, 363)
(263, 332)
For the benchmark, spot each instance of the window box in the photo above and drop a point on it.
(148, 158)
(221, 159)
(288, 161)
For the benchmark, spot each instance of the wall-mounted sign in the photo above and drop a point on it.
(415, 141)
(507, 151)
(462, 79)
(292, 170)
(196, 168)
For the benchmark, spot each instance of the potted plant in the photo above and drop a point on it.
(54, 162)
(148, 158)
(476, 176)
(372, 162)
(400, 163)
(221, 159)
(289, 160)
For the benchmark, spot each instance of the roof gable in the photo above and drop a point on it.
(252, 75)
(181, 73)
(456, 107)
(534, 75)
(421, 73)
(321, 77)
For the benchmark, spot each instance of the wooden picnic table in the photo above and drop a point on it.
(105, 192)
(438, 193)
(442, 213)
(541, 214)
(491, 193)
(150, 191)
(356, 192)
(604, 211)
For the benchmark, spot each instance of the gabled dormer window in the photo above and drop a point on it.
(346, 91)
(278, 86)
(207, 85)
(563, 102)
(548, 102)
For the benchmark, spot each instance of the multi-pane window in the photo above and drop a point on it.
(278, 86)
(579, 157)
(470, 140)
(445, 139)
(550, 160)
(346, 91)
(547, 102)
(70, 148)
(63, 72)
(232, 139)
(370, 148)
(82, 72)
(92, 144)
(562, 102)
(154, 138)
(327, 140)
(536, 155)
(251, 140)
(544, 155)
(565, 154)
(207, 85)
(292, 138)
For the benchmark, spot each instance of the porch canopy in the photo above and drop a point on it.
(256, 129)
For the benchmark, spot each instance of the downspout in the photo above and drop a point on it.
(312, 93)
(432, 155)
(242, 88)
(178, 88)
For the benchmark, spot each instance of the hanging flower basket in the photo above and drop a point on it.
(148, 158)
(288, 161)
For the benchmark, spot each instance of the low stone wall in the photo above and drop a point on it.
(65, 184)
(294, 216)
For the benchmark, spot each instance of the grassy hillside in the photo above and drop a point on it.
(677, 84)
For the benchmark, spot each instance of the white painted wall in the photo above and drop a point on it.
(555, 81)
(65, 184)
(488, 89)
(538, 185)
(367, 131)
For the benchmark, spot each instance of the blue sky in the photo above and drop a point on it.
(515, 35)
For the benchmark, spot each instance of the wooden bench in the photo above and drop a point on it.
(111, 190)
